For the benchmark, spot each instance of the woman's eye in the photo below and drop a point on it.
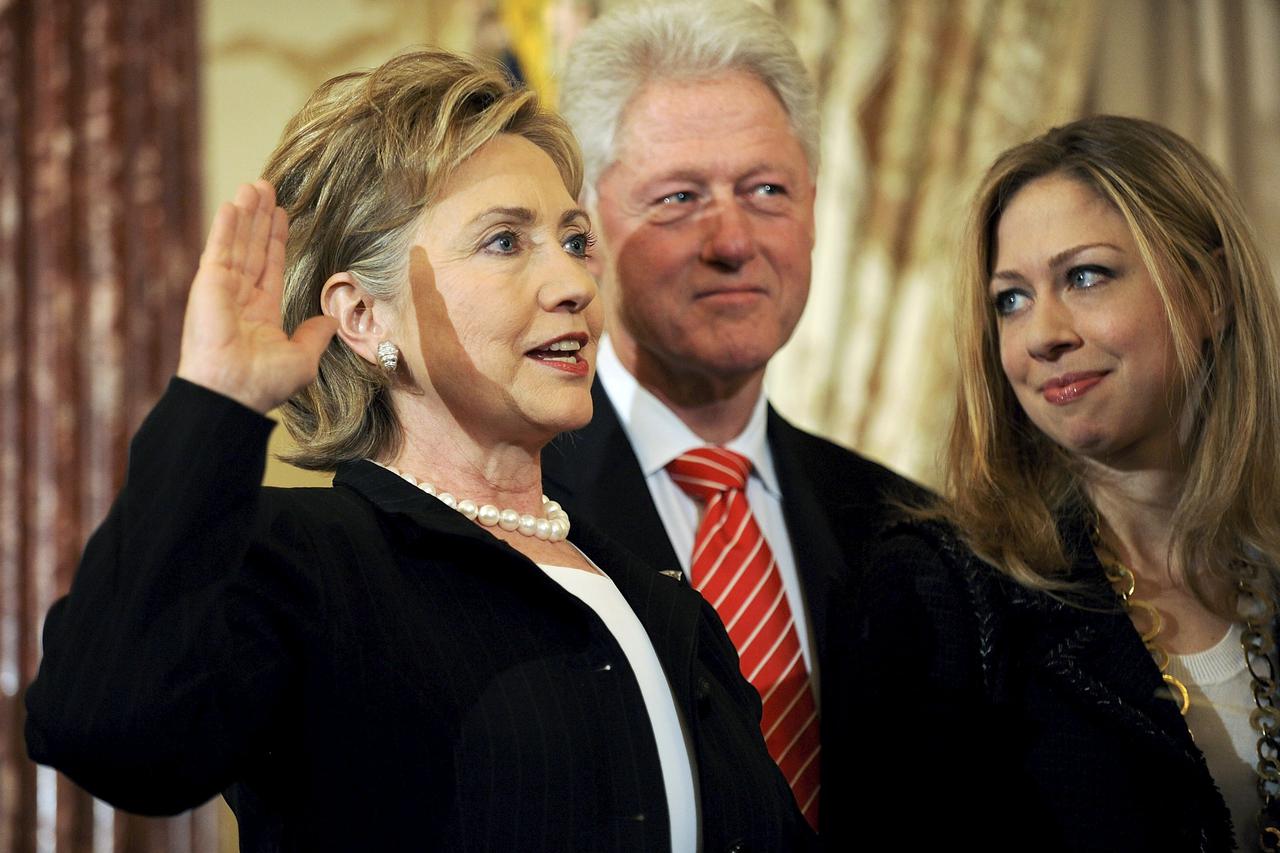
(1087, 276)
(504, 243)
(580, 245)
(1009, 302)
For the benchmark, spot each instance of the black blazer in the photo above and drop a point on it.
(834, 503)
(993, 716)
(365, 669)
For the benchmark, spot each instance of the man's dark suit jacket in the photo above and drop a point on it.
(365, 669)
(833, 500)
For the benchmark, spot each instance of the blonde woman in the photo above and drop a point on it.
(1077, 652)
(426, 656)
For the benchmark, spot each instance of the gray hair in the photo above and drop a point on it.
(623, 50)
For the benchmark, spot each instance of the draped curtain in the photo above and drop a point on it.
(99, 234)
(918, 97)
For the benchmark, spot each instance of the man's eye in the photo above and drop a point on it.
(770, 189)
(680, 197)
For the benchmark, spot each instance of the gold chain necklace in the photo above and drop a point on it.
(1258, 641)
(1258, 611)
(1124, 583)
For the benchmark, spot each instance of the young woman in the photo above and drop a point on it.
(1077, 652)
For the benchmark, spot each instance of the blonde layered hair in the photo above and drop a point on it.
(355, 170)
(1008, 483)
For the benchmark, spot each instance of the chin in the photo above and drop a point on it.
(569, 417)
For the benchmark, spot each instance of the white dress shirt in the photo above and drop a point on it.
(658, 436)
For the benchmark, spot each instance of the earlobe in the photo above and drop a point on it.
(360, 325)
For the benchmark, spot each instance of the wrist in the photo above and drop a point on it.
(221, 382)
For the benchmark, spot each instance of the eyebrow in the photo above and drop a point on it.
(699, 175)
(1055, 261)
(525, 216)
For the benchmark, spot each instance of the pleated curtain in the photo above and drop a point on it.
(99, 235)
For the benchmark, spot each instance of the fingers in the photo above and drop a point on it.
(273, 269)
(246, 202)
(314, 334)
(259, 231)
(217, 248)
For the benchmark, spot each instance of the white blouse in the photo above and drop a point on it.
(1218, 684)
(599, 593)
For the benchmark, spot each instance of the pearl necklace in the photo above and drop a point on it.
(553, 528)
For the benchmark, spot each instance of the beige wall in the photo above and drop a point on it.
(262, 58)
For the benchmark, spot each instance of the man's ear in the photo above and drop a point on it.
(362, 322)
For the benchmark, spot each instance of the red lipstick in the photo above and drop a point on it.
(563, 353)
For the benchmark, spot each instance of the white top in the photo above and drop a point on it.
(1218, 683)
(658, 436)
(599, 593)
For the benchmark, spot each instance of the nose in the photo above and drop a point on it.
(730, 239)
(567, 287)
(1051, 332)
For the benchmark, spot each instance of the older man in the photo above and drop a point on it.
(700, 134)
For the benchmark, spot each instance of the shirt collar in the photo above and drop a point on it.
(657, 434)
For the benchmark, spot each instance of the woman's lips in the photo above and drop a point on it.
(578, 367)
(1065, 389)
(568, 362)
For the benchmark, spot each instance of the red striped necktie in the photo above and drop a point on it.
(734, 569)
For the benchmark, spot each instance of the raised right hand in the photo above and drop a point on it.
(232, 338)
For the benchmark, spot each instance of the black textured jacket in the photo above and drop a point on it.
(988, 716)
(364, 669)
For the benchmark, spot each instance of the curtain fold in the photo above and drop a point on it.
(918, 97)
(99, 234)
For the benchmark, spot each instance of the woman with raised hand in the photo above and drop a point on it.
(426, 655)
(1077, 651)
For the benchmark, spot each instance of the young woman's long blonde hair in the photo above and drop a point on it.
(1009, 484)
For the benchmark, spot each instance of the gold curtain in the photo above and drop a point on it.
(1209, 69)
(918, 97)
(99, 233)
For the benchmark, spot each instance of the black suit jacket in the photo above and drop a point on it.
(991, 716)
(364, 669)
(834, 503)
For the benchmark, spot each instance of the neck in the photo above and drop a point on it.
(466, 462)
(715, 407)
(1136, 510)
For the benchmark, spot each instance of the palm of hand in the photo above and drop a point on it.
(233, 341)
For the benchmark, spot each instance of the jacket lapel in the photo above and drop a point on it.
(594, 473)
(814, 543)
(1092, 648)
(667, 608)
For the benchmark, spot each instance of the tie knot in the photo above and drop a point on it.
(705, 472)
